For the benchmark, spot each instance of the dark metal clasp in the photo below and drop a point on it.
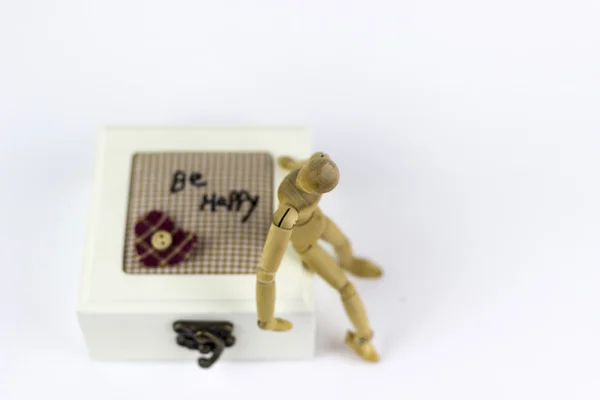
(208, 337)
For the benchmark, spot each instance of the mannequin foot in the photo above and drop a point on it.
(363, 268)
(362, 347)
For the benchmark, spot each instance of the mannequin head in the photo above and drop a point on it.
(319, 175)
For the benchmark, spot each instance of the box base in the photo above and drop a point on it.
(127, 337)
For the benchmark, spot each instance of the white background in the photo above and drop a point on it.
(467, 134)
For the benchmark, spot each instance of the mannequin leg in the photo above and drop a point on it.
(325, 266)
(343, 248)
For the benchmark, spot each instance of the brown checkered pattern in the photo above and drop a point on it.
(225, 244)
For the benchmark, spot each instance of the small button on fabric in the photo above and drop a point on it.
(161, 240)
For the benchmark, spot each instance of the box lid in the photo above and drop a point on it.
(107, 286)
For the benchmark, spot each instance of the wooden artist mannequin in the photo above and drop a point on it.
(299, 220)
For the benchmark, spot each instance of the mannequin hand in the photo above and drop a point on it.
(286, 162)
(276, 324)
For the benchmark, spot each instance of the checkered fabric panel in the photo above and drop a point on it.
(226, 199)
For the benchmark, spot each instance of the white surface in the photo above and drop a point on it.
(477, 127)
(130, 317)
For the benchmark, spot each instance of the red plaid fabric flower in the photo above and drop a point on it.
(158, 242)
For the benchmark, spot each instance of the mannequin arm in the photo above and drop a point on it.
(276, 244)
(289, 163)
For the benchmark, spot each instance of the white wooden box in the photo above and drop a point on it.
(129, 317)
